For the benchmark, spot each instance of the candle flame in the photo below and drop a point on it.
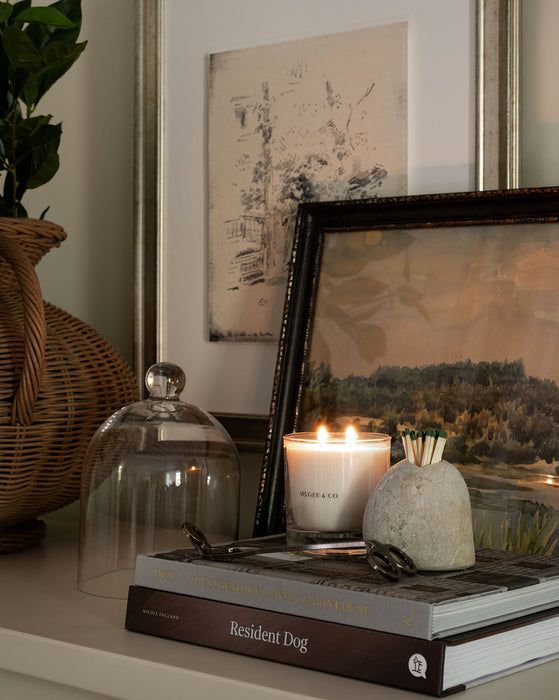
(322, 434)
(350, 434)
(549, 480)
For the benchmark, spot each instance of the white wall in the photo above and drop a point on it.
(91, 196)
(238, 377)
(539, 155)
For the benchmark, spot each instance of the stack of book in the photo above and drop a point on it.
(435, 634)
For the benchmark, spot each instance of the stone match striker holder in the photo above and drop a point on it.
(426, 512)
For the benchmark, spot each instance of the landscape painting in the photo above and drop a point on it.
(455, 328)
(309, 120)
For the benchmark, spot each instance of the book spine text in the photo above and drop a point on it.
(367, 655)
(287, 595)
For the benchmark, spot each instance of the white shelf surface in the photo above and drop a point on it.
(51, 631)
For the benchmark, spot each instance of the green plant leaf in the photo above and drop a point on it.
(9, 195)
(20, 50)
(49, 16)
(37, 153)
(45, 163)
(34, 133)
(18, 7)
(4, 130)
(44, 212)
(21, 211)
(37, 46)
(5, 11)
(43, 35)
(31, 135)
(5, 88)
(57, 58)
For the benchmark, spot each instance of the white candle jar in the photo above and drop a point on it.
(328, 483)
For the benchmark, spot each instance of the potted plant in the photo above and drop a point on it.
(37, 46)
(59, 379)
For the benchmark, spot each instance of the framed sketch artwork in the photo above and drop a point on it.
(310, 120)
(455, 89)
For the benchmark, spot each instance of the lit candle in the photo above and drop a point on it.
(193, 485)
(330, 477)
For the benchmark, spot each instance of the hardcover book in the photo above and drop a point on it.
(502, 585)
(436, 667)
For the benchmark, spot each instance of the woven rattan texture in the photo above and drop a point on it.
(55, 388)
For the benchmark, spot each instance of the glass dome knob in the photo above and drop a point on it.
(165, 380)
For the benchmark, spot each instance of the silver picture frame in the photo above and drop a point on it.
(148, 183)
(497, 143)
(497, 94)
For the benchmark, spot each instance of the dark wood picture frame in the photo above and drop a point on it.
(314, 223)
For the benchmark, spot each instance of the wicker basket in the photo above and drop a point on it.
(59, 380)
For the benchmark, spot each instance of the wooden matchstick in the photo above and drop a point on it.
(428, 449)
(424, 447)
(413, 440)
(439, 447)
(404, 443)
(419, 455)
(411, 456)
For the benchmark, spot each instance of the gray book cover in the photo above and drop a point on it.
(349, 591)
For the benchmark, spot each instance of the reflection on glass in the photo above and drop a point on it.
(150, 467)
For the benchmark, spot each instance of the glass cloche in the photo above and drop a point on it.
(148, 468)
